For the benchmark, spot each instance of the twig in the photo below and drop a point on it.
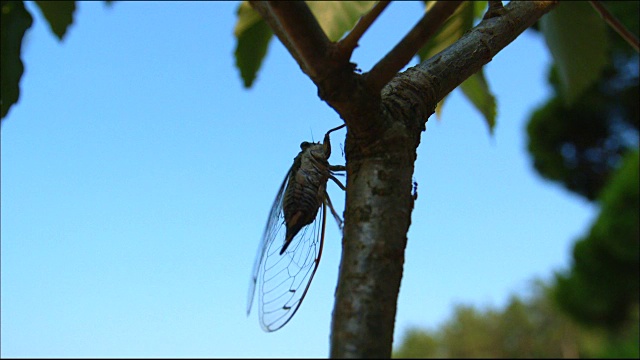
(627, 35)
(299, 31)
(495, 9)
(402, 53)
(350, 42)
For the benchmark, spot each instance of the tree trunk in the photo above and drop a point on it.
(379, 171)
(385, 113)
(378, 211)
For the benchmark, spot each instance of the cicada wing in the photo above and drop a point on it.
(285, 279)
(274, 224)
(282, 281)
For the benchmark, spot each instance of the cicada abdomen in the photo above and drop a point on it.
(291, 246)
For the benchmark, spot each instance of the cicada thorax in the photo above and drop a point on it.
(306, 188)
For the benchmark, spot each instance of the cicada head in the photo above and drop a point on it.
(318, 151)
(305, 145)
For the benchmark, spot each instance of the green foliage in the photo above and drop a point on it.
(531, 327)
(583, 143)
(580, 144)
(418, 344)
(476, 89)
(466, 334)
(627, 13)
(577, 39)
(602, 287)
(254, 35)
(15, 22)
(59, 15)
(452, 29)
(625, 345)
(338, 17)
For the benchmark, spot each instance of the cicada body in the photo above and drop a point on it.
(291, 246)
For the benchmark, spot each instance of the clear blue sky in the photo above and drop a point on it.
(137, 175)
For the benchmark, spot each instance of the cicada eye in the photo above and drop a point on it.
(304, 145)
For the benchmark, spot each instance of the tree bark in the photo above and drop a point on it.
(379, 182)
(383, 133)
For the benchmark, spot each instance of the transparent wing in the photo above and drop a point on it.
(274, 224)
(283, 280)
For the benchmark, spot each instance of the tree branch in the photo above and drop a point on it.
(495, 9)
(627, 35)
(434, 78)
(350, 42)
(383, 133)
(379, 182)
(299, 31)
(406, 49)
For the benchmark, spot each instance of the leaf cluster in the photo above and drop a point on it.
(337, 18)
(580, 145)
(579, 135)
(527, 327)
(16, 20)
(603, 284)
(588, 142)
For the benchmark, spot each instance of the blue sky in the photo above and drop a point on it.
(137, 176)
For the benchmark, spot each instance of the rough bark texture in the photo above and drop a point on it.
(380, 170)
(383, 133)
(379, 214)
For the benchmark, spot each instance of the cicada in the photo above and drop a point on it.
(291, 245)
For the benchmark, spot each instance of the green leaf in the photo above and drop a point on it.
(247, 17)
(459, 22)
(439, 108)
(450, 31)
(338, 17)
(476, 89)
(577, 39)
(480, 8)
(59, 15)
(253, 36)
(15, 22)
